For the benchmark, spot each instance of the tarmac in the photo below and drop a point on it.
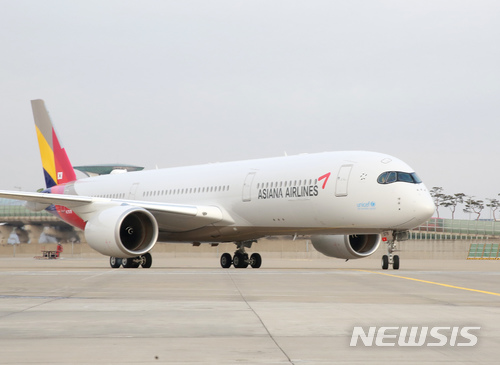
(188, 310)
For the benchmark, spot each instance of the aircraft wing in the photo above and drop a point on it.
(170, 217)
(45, 199)
(177, 218)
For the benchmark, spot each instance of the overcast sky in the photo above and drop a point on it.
(171, 83)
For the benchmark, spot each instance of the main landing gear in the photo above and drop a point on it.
(391, 259)
(240, 259)
(145, 261)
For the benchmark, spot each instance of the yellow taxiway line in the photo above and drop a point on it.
(433, 282)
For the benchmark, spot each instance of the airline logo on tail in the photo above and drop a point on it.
(56, 165)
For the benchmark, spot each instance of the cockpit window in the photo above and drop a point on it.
(416, 179)
(404, 177)
(390, 177)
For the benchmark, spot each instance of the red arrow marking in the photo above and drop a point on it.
(326, 177)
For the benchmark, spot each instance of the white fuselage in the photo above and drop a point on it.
(325, 193)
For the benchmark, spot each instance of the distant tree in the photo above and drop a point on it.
(438, 197)
(494, 204)
(451, 201)
(473, 206)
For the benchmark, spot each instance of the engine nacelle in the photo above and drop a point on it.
(348, 246)
(122, 231)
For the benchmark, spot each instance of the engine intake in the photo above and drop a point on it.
(348, 246)
(122, 231)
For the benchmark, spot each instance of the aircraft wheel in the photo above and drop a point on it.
(240, 260)
(255, 260)
(237, 260)
(385, 262)
(128, 263)
(226, 261)
(147, 260)
(395, 264)
(115, 262)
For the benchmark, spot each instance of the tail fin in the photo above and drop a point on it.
(56, 165)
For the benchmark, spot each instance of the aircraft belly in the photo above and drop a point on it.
(233, 234)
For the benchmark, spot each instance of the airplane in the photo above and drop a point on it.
(347, 202)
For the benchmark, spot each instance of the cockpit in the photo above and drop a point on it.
(390, 177)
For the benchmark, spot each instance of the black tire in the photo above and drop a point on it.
(226, 261)
(237, 260)
(147, 260)
(115, 262)
(255, 260)
(245, 262)
(395, 264)
(128, 263)
(240, 261)
(385, 262)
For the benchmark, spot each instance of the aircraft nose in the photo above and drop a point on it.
(425, 207)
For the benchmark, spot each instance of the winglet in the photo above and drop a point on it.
(56, 165)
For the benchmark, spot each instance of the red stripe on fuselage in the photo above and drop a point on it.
(66, 214)
(70, 217)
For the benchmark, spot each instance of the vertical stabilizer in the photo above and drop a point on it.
(56, 165)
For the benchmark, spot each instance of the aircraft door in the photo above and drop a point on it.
(247, 187)
(341, 186)
(132, 191)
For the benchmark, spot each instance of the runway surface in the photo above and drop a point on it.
(190, 311)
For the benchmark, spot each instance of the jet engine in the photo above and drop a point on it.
(122, 231)
(347, 246)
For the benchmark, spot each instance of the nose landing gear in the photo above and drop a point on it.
(391, 259)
